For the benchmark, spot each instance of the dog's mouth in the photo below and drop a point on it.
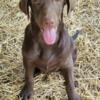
(49, 35)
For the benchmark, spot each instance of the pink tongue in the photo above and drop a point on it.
(49, 36)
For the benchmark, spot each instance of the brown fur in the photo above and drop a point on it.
(46, 58)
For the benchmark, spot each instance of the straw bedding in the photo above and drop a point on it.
(86, 15)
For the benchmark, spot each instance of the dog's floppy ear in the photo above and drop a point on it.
(24, 6)
(70, 6)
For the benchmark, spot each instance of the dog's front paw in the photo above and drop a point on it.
(25, 93)
(74, 97)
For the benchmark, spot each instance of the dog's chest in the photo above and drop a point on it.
(48, 61)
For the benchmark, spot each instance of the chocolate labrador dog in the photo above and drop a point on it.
(47, 46)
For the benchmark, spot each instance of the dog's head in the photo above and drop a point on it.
(47, 15)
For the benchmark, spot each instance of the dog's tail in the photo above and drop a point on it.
(74, 37)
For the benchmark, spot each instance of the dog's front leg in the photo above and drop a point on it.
(27, 90)
(67, 72)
